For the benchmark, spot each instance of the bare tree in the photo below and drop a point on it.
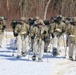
(46, 8)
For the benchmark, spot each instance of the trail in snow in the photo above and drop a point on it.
(10, 65)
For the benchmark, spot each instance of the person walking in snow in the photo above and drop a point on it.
(57, 28)
(72, 41)
(22, 30)
(2, 28)
(40, 33)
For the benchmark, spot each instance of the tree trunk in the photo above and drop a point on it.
(46, 8)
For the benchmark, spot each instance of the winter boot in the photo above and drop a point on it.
(18, 56)
(24, 53)
(34, 57)
(55, 51)
(45, 50)
(70, 58)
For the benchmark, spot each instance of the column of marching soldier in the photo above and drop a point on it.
(41, 33)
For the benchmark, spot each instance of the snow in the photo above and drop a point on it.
(10, 65)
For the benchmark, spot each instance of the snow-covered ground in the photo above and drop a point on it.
(10, 65)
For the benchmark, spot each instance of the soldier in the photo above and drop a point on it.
(57, 30)
(13, 25)
(67, 30)
(51, 33)
(72, 41)
(2, 27)
(34, 23)
(22, 30)
(32, 26)
(53, 22)
(38, 40)
(47, 36)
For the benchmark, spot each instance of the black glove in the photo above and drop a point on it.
(3, 28)
(27, 32)
(15, 34)
(32, 37)
(52, 35)
(44, 32)
(69, 34)
(63, 31)
(35, 25)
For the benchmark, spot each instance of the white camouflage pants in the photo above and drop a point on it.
(1, 36)
(38, 45)
(22, 44)
(32, 42)
(72, 48)
(59, 43)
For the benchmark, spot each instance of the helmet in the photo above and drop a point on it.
(37, 18)
(1, 18)
(31, 21)
(52, 18)
(46, 22)
(14, 21)
(23, 18)
(59, 17)
(41, 22)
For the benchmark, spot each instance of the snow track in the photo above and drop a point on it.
(10, 65)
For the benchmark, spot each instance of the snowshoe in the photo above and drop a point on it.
(71, 58)
(34, 57)
(55, 51)
(18, 56)
(45, 50)
(24, 54)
